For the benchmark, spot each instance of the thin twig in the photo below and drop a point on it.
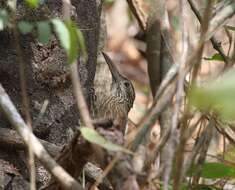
(222, 131)
(107, 169)
(81, 103)
(10, 140)
(161, 144)
(230, 39)
(197, 145)
(139, 13)
(220, 19)
(24, 95)
(80, 100)
(152, 115)
(197, 62)
(164, 98)
(202, 156)
(150, 119)
(213, 40)
(92, 174)
(41, 113)
(174, 133)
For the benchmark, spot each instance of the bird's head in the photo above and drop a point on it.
(121, 87)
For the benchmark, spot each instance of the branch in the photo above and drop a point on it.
(174, 131)
(213, 40)
(81, 103)
(168, 82)
(16, 120)
(10, 140)
(72, 158)
(139, 13)
(154, 45)
(199, 145)
(153, 114)
(220, 19)
(93, 173)
(24, 95)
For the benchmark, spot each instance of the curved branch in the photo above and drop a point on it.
(16, 120)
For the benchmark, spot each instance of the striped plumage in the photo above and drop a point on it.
(116, 102)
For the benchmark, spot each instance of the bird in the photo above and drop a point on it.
(117, 100)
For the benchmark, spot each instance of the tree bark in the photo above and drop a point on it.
(46, 69)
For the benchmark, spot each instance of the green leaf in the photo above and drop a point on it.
(25, 27)
(215, 57)
(33, 3)
(3, 19)
(217, 170)
(92, 136)
(108, 2)
(82, 44)
(230, 27)
(71, 39)
(217, 96)
(62, 33)
(73, 48)
(67, 33)
(44, 31)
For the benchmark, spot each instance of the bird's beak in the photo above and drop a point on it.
(115, 74)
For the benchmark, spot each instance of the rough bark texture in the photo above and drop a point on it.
(47, 79)
(88, 19)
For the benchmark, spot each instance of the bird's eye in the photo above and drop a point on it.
(127, 84)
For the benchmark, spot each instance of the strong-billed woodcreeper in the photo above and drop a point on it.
(115, 103)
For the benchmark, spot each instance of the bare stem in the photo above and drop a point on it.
(213, 40)
(81, 103)
(25, 100)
